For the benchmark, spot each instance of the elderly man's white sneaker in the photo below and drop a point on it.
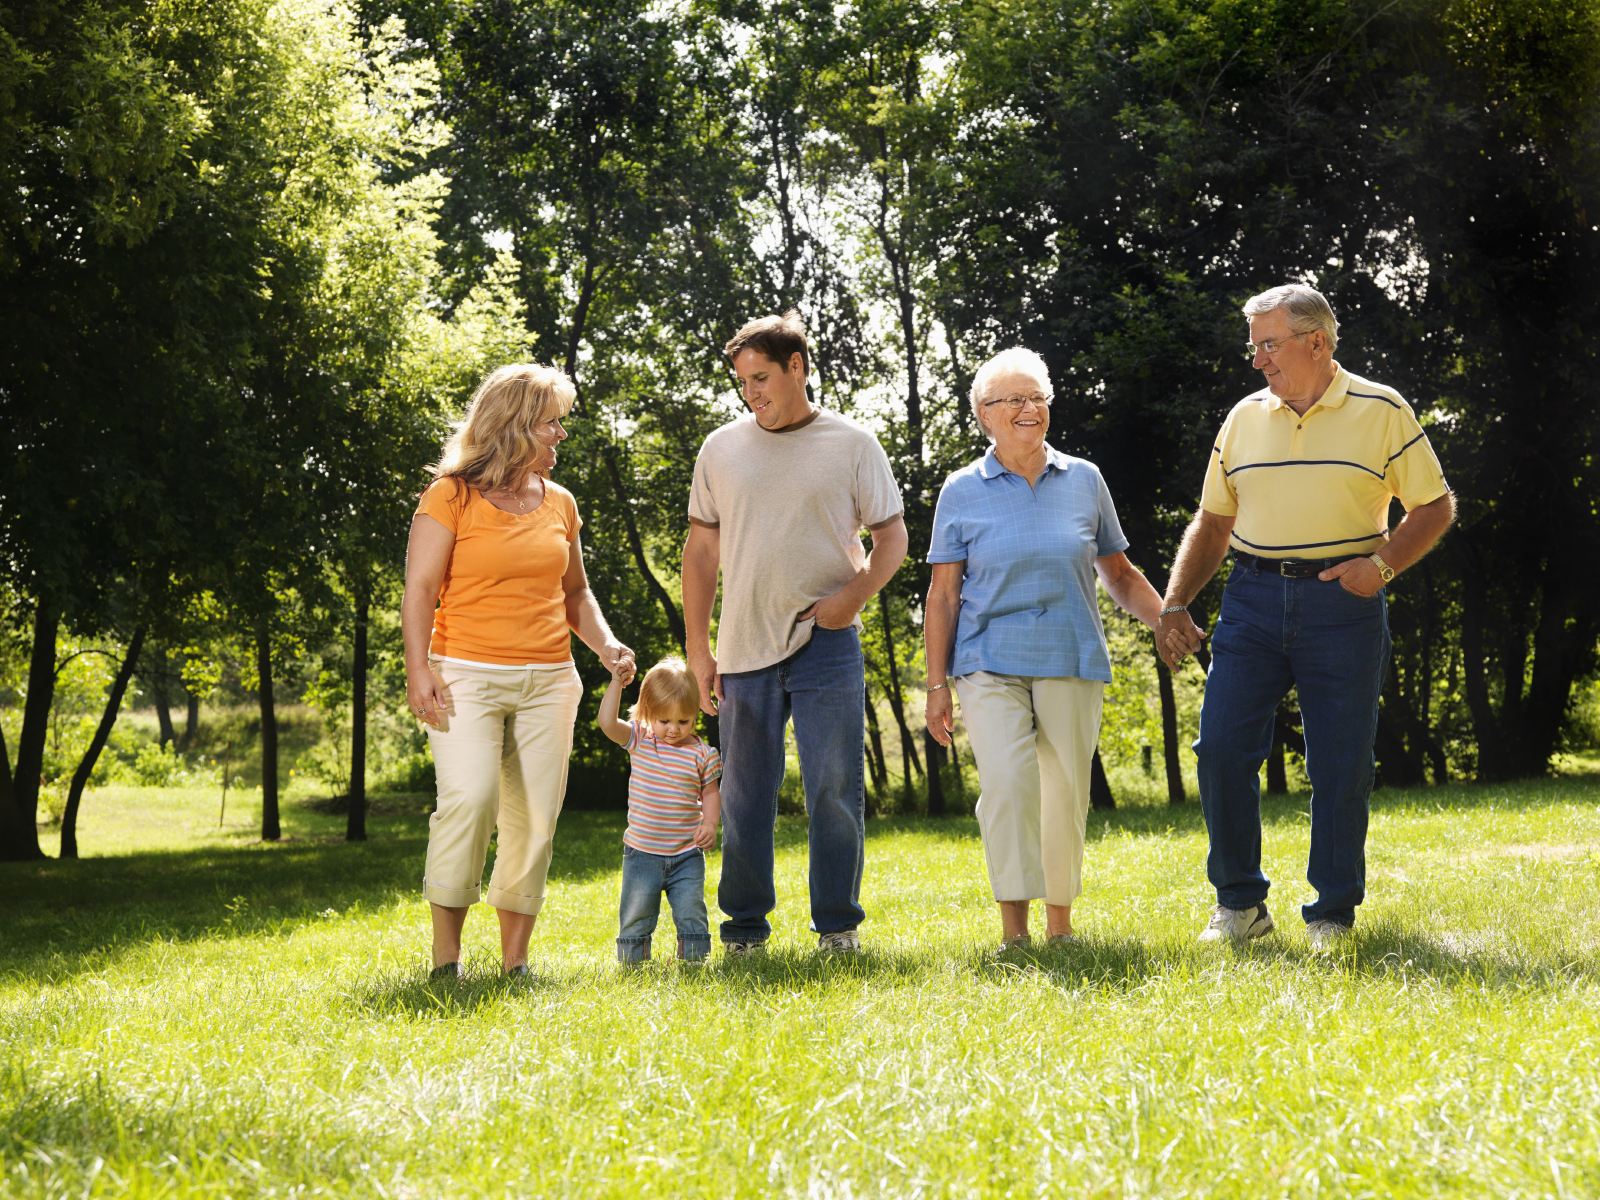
(1326, 935)
(1238, 924)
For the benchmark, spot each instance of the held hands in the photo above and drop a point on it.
(618, 659)
(1358, 576)
(1177, 637)
(940, 714)
(427, 696)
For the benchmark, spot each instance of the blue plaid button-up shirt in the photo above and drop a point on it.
(1028, 602)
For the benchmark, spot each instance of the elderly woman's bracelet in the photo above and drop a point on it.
(1175, 608)
(938, 687)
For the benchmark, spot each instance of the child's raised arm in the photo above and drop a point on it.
(613, 728)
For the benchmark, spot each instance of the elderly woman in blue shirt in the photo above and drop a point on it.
(1012, 621)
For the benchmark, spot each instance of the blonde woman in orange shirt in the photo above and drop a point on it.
(494, 584)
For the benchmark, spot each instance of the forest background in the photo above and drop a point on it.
(254, 257)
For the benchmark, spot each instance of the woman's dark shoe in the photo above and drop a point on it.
(518, 972)
(448, 971)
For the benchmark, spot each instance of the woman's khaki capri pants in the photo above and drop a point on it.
(1034, 739)
(501, 760)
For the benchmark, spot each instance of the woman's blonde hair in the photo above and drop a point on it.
(669, 687)
(493, 443)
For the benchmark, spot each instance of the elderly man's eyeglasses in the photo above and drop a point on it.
(1272, 345)
(1015, 403)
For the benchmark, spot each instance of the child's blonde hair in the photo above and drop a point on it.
(669, 688)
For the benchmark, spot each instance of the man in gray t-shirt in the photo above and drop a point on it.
(779, 500)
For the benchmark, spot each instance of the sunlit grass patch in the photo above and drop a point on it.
(231, 1019)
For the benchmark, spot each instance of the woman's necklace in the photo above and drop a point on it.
(522, 505)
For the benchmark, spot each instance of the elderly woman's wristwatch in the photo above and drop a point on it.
(1385, 571)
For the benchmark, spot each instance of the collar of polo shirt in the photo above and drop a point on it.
(1334, 397)
(991, 468)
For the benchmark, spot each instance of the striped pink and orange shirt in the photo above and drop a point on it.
(664, 791)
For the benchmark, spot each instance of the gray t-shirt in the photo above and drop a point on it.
(790, 507)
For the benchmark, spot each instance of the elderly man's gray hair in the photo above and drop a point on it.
(1015, 361)
(1308, 309)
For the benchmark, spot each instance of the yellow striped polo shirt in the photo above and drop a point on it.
(1319, 485)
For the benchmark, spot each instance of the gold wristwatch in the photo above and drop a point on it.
(1384, 569)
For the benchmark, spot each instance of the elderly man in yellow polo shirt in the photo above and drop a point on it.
(1299, 488)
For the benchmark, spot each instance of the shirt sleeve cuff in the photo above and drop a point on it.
(1427, 497)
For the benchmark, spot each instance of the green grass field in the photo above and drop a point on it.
(192, 1013)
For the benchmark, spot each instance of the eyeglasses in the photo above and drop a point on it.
(1015, 403)
(1272, 345)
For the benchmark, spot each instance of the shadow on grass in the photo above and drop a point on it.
(1383, 950)
(778, 973)
(65, 916)
(413, 994)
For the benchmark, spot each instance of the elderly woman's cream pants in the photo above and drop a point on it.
(1034, 740)
(501, 760)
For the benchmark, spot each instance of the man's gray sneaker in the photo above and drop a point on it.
(846, 941)
(1238, 924)
(1326, 935)
(743, 949)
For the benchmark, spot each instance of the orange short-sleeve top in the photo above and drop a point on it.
(502, 599)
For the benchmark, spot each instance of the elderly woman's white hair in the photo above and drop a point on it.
(1015, 361)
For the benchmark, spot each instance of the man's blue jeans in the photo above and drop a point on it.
(644, 877)
(823, 687)
(1273, 634)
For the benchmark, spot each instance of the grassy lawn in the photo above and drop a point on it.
(194, 1013)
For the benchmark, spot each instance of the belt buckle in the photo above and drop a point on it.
(1300, 570)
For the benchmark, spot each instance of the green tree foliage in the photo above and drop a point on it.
(253, 257)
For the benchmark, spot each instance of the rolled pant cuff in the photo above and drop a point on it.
(528, 906)
(693, 949)
(450, 897)
(633, 950)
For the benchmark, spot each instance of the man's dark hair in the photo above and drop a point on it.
(779, 338)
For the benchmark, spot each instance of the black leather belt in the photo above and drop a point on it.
(1291, 568)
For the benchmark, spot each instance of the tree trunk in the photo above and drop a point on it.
(1485, 728)
(355, 829)
(935, 753)
(1277, 772)
(1563, 635)
(164, 716)
(8, 800)
(191, 721)
(108, 718)
(22, 844)
(270, 830)
(877, 767)
(908, 748)
(1099, 786)
(1169, 734)
(636, 544)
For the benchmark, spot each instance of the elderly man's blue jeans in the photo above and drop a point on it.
(1272, 634)
(645, 877)
(823, 687)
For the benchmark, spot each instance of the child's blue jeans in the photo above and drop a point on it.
(644, 877)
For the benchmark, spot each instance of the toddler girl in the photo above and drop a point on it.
(674, 807)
